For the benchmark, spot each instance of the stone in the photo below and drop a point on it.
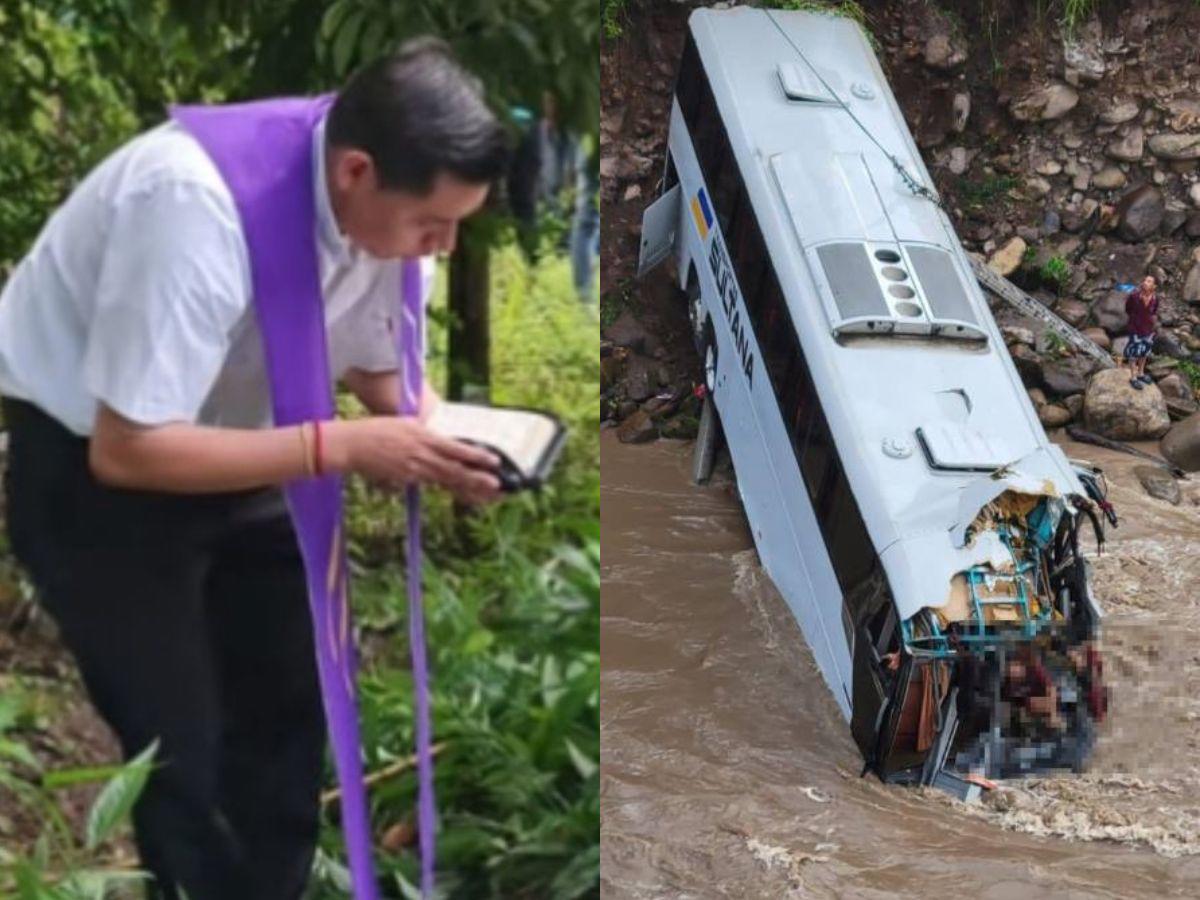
(1073, 312)
(632, 192)
(641, 377)
(1112, 407)
(628, 331)
(1109, 312)
(1109, 178)
(1036, 187)
(1099, 337)
(1064, 377)
(1166, 344)
(1049, 168)
(1016, 334)
(961, 108)
(1158, 483)
(1037, 396)
(1191, 285)
(1118, 346)
(1054, 415)
(1081, 181)
(1074, 405)
(1120, 111)
(639, 428)
(1083, 51)
(1128, 148)
(1051, 223)
(1177, 389)
(959, 160)
(1173, 219)
(942, 54)
(1181, 445)
(1008, 258)
(1175, 146)
(1140, 213)
(1045, 103)
(1028, 363)
(1192, 226)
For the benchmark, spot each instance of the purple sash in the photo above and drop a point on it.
(264, 152)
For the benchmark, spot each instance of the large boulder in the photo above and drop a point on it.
(637, 429)
(1109, 312)
(1008, 258)
(1054, 415)
(1050, 101)
(1158, 483)
(1064, 377)
(1181, 445)
(1128, 148)
(1110, 178)
(628, 331)
(1175, 146)
(1177, 390)
(1140, 213)
(1113, 408)
(944, 52)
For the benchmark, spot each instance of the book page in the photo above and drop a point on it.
(524, 436)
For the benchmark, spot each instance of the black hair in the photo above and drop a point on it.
(418, 112)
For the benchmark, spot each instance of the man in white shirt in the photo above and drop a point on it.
(144, 464)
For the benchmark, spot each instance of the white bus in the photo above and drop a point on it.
(901, 492)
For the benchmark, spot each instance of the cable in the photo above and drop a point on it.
(911, 183)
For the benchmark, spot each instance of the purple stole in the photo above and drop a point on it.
(264, 153)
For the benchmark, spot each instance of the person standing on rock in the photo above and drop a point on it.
(145, 462)
(1141, 308)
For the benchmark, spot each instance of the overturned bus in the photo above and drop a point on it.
(901, 491)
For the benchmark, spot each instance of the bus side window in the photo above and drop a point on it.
(671, 176)
(687, 84)
(817, 461)
(749, 258)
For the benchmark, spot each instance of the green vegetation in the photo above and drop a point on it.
(611, 15)
(976, 194)
(1056, 271)
(1054, 341)
(1191, 371)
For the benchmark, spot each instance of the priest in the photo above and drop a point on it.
(168, 349)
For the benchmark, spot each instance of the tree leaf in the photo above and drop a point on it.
(118, 796)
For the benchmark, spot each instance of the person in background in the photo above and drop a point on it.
(1141, 307)
(585, 227)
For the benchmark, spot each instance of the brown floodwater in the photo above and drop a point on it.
(727, 770)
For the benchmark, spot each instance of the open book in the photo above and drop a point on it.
(527, 441)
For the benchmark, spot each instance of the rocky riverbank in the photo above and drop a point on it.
(1068, 159)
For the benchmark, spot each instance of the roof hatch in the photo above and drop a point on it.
(800, 83)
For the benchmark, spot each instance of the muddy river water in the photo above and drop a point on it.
(727, 770)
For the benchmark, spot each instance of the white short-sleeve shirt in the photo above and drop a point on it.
(137, 294)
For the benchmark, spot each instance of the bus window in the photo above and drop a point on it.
(687, 85)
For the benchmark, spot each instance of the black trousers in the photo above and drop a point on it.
(188, 618)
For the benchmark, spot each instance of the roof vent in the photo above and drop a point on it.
(801, 84)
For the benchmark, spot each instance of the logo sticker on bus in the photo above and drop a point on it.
(718, 261)
(702, 213)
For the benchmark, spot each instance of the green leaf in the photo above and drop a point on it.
(61, 778)
(118, 796)
(584, 765)
(346, 41)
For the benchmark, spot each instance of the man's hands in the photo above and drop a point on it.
(395, 450)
